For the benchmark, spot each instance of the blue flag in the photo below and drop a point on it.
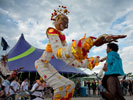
(4, 44)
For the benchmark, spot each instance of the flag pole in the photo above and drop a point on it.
(1, 48)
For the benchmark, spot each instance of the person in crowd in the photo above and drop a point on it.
(121, 85)
(125, 87)
(16, 72)
(6, 85)
(89, 88)
(84, 82)
(77, 88)
(113, 68)
(14, 87)
(37, 89)
(25, 85)
(130, 87)
(94, 87)
(2, 93)
(99, 86)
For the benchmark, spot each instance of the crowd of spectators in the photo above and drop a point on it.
(93, 87)
(127, 87)
(11, 87)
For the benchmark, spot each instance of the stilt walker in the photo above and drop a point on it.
(74, 54)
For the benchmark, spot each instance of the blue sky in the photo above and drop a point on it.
(118, 21)
(93, 17)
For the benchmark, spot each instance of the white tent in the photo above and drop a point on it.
(86, 70)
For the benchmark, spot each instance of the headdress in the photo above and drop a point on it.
(59, 11)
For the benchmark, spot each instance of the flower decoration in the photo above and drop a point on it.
(59, 11)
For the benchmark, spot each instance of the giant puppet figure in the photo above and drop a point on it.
(74, 54)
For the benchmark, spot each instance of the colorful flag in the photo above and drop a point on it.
(4, 44)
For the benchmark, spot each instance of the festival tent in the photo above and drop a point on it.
(86, 70)
(24, 55)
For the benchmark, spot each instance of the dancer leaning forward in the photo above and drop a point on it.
(74, 54)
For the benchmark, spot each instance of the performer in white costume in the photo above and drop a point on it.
(74, 55)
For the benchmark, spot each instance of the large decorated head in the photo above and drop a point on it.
(60, 18)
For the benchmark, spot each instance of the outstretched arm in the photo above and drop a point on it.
(75, 52)
(103, 59)
(75, 56)
(89, 63)
(105, 38)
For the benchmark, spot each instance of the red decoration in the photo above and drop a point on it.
(98, 57)
(92, 62)
(61, 36)
(63, 98)
(69, 96)
(60, 10)
(52, 57)
(93, 37)
(84, 52)
(45, 76)
(79, 44)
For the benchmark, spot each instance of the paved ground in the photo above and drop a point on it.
(96, 98)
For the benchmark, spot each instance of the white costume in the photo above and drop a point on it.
(24, 85)
(74, 55)
(6, 84)
(16, 87)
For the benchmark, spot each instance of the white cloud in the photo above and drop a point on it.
(127, 57)
(2, 11)
(99, 49)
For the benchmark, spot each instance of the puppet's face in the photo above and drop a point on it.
(61, 23)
